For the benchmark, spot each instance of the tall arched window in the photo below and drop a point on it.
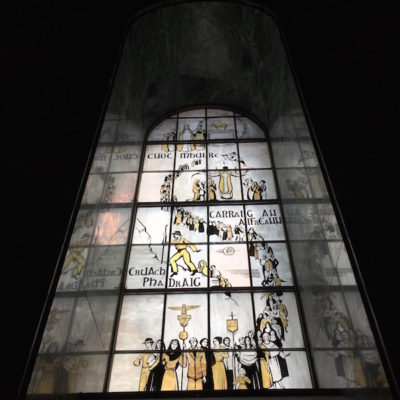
(209, 294)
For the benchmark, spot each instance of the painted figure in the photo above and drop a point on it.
(242, 382)
(218, 369)
(197, 371)
(143, 361)
(171, 360)
(181, 245)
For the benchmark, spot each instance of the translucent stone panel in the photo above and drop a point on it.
(125, 158)
(311, 222)
(94, 268)
(247, 129)
(67, 373)
(254, 155)
(165, 130)
(141, 319)
(101, 160)
(112, 226)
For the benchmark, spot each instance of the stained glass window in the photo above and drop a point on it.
(209, 302)
(188, 282)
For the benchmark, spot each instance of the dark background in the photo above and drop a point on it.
(57, 64)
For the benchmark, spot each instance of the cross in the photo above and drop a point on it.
(231, 315)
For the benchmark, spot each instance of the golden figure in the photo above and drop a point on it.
(185, 134)
(143, 361)
(256, 191)
(212, 190)
(199, 134)
(197, 370)
(218, 369)
(225, 183)
(266, 376)
(242, 380)
(171, 360)
(181, 245)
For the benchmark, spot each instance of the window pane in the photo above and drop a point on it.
(226, 224)
(258, 185)
(191, 222)
(166, 131)
(254, 155)
(221, 128)
(125, 158)
(66, 373)
(247, 129)
(108, 131)
(159, 157)
(147, 267)
(224, 185)
(101, 159)
(155, 187)
(190, 186)
(192, 158)
(152, 225)
(125, 375)
(231, 317)
(185, 317)
(271, 267)
(141, 319)
(190, 129)
(84, 227)
(112, 226)
(102, 271)
(120, 188)
(193, 113)
(277, 315)
(311, 222)
(188, 263)
(94, 189)
(223, 155)
(264, 222)
(229, 265)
